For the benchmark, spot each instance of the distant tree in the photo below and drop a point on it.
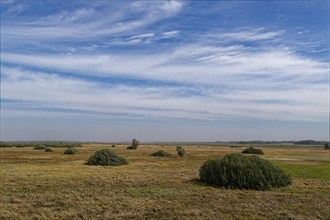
(134, 146)
(326, 146)
(135, 143)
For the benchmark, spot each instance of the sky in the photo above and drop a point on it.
(164, 70)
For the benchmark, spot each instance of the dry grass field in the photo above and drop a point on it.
(50, 185)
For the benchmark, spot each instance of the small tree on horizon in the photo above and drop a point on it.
(134, 146)
(135, 143)
(326, 146)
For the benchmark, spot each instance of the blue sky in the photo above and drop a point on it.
(164, 70)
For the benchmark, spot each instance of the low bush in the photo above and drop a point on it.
(235, 146)
(161, 153)
(106, 157)
(70, 150)
(236, 171)
(131, 147)
(181, 151)
(113, 145)
(40, 147)
(48, 149)
(252, 150)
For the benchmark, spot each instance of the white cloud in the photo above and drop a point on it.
(168, 7)
(170, 34)
(13, 9)
(9, 2)
(248, 35)
(146, 38)
(235, 83)
(67, 16)
(89, 23)
(231, 81)
(171, 6)
(194, 63)
(147, 35)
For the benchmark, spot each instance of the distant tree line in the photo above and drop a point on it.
(39, 144)
(302, 142)
(309, 142)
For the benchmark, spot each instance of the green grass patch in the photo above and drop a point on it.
(300, 170)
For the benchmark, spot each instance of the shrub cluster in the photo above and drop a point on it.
(236, 171)
(181, 151)
(40, 147)
(326, 146)
(70, 150)
(134, 146)
(252, 150)
(48, 149)
(235, 146)
(161, 153)
(106, 157)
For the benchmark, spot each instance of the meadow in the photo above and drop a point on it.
(36, 184)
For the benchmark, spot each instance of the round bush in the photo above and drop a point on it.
(106, 157)
(161, 153)
(70, 150)
(181, 151)
(252, 150)
(48, 149)
(40, 147)
(236, 171)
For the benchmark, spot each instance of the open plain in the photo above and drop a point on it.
(51, 185)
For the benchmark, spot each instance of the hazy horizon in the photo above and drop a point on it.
(164, 70)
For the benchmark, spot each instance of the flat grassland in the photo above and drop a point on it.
(50, 185)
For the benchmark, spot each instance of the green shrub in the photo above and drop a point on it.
(326, 146)
(161, 153)
(135, 143)
(70, 150)
(48, 149)
(252, 150)
(131, 148)
(134, 146)
(113, 145)
(106, 157)
(181, 151)
(40, 147)
(236, 171)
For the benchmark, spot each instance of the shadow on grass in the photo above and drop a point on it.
(196, 181)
